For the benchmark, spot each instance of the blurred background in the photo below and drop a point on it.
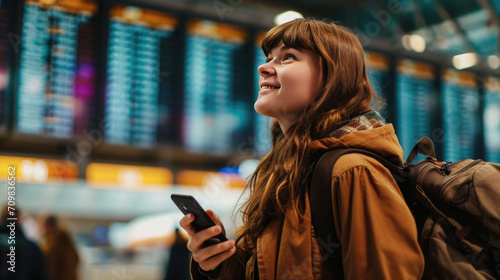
(107, 107)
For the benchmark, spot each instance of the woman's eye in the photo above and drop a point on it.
(289, 56)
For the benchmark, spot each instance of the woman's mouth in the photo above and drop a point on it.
(268, 87)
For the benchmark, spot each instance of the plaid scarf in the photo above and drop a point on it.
(366, 121)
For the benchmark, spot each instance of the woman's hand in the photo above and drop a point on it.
(207, 257)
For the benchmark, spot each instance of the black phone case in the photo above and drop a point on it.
(188, 205)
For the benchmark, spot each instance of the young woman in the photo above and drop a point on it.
(315, 87)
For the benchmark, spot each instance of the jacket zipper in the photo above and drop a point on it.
(459, 172)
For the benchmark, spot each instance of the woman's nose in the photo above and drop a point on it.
(266, 69)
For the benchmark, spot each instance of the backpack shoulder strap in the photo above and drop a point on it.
(320, 200)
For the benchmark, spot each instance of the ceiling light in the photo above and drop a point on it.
(465, 60)
(494, 61)
(286, 17)
(406, 42)
(417, 43)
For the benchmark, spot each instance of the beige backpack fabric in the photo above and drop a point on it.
(458, 215)
(456, 207)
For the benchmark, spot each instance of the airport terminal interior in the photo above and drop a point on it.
(107, 107)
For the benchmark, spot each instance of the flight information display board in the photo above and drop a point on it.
(57, 68)
(262, 131)
(5, 17)
(208, 121)
(415, 92)
(378, 70)
(460, 100)
(137, 38)
(491, 119)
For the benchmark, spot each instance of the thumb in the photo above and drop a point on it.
(214, 217)
(216, 220)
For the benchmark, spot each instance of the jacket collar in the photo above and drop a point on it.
(382, 141)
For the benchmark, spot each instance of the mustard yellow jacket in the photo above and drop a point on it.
(373, 223)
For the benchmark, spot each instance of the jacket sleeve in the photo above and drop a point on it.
(232, 268)
(376, 228)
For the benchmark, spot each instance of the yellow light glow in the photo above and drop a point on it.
(417, 43)
(465, 60)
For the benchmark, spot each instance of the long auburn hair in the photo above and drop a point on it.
(280, 180)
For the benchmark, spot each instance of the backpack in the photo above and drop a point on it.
(456, 207)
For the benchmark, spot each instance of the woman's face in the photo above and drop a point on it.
(289, 80)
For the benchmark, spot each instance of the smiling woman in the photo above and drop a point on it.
(289, 80)
(315, 87)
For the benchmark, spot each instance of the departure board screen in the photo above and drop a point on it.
(57, 68)
(415, 93)
(460, 99)
(262, 142)
(491, 119)
(5, 17)
(208, 121)
(137, 38)
(378, 70)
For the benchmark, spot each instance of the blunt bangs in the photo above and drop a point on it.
(294, 34)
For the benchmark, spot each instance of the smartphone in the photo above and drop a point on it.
(188, 205)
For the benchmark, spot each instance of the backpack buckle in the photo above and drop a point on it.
(446, 168)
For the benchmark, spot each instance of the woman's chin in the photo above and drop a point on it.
(261, 109)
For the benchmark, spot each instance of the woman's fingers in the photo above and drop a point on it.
(210, 257)
(196, 240)
(216, 220)
(215, 261)
(214, 217)
(211, 251)
(185, 223)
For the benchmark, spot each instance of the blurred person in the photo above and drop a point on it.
(59, 250)
(178, 263)
(30, 227)
(26, 261)
(315, 87)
